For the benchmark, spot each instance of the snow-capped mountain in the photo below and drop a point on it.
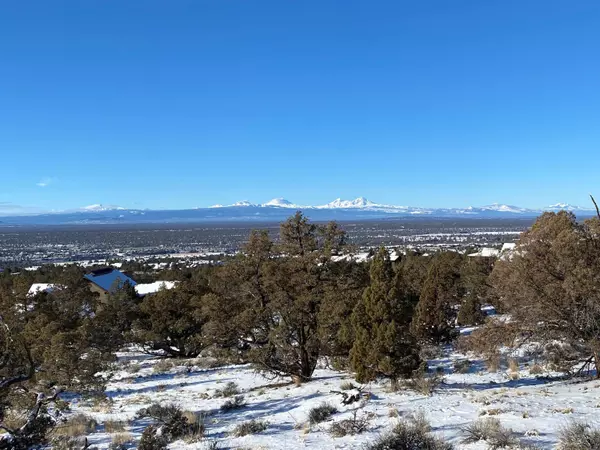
(359, 202)
(281, 203)
(277, 210)
(504, 208)
(100, 207)
(566, 207)
(243, 203)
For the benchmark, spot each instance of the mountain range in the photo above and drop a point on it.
(276, 210)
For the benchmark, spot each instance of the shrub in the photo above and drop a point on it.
(250, 427)
(536, 369)
(408, 436)
(420, 422)
(163, 366)
(579, 436)
(151, 440)
(321, 413)
(173, 424)
(462, 366)
(229, 390)
(65, 443)
(491, 431)
(235, 403)
(355, 425)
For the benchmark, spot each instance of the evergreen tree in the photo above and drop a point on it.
(470, 311)
(172, 321)
(435, 314)
(383, 345)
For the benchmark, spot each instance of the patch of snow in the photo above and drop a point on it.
(151, 288)
(37, 288)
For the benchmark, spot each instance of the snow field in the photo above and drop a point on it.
(535, 407)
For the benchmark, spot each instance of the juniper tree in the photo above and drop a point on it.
(271, 295)
(383, 345)
(474, 274)
(435, 314)
(551, 284)
(44, 350)
(171, 321)
(237, 307)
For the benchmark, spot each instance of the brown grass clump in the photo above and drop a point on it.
(78, 425)
(114, 426)
(120, 439)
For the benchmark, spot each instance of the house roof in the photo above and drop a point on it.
(108, 278)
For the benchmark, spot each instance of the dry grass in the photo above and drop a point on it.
(102, 405)
(114, 426)
(424, 384)
(14, 420)
(347, 386)
(492, 363)
(78, 425)
(123, 438)
(513, 365)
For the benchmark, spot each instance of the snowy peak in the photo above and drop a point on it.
(100, 207)
(359, 202)
(503, 208)
(280, 203)
(243, 203)
(566, 207)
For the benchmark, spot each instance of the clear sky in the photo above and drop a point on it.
(185, 103)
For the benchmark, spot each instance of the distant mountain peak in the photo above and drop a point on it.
(243, 203)
(280, 202)
(566, 207)
(100, 207)
(359, 202)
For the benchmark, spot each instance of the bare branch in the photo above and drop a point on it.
(596, 205)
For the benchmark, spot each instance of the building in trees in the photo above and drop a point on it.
(106, 281)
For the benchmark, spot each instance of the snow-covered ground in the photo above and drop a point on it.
(534, 407)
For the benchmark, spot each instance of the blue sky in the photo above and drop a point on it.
(174, 104)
